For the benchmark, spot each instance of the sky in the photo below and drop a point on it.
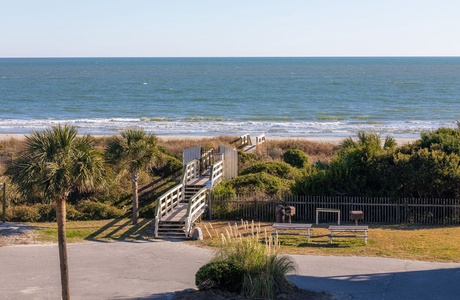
(224, 28)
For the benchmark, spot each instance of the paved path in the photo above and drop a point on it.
(135, 270)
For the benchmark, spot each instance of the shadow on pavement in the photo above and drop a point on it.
(424, 284)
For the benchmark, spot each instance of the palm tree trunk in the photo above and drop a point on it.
(134, 181)
(61, 220)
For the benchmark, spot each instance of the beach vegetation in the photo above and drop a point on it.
(170, 167)
(93, 210)
(279, 169)
(245, 265)
(429, 167)
(259, 183)
(445, 139)
(134, 150)
(296, 158)
(57, 162)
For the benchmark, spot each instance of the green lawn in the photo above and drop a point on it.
(424, 243)
(432, 243)
(78, 231)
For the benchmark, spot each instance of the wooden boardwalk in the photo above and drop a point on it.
(178, 214)
(199, 181)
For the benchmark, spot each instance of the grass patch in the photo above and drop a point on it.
(422, 243)
(101, 230)
(403, 241)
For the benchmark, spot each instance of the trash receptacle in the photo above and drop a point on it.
(279, 214)
(289, 211)
(356, 215)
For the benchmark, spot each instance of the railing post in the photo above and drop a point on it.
(209, 205)
(4, 202)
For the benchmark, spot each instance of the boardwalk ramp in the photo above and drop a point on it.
(245, 143)
(179, 208)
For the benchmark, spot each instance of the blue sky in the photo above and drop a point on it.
(170, 28)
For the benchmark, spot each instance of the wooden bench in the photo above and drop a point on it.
(303, 229)
(348, 232)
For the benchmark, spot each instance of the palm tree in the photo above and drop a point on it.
(56, 162)
(134, 150)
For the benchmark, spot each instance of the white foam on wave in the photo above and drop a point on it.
(407, 129)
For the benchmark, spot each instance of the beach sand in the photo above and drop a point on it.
(329, 140)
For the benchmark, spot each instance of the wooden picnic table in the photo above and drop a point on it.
(348, 232)
(303, 229)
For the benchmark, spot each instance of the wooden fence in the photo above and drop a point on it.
(376, 210)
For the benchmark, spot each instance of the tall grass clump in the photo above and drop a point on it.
(245, 265)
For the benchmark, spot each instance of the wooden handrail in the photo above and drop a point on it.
(195, 204)
(260, 139)
(191, 171)
(166, 203)
(217, 172)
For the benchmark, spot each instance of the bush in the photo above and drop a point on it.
(246, 266)
(47, 212)
(148, 211)
(278, 169)
(259, 183)
(224, 275)
(23, 213)
(445, 139)
(296, 158)
(98, 211)
(170, 168)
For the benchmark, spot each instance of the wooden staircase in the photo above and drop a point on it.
(179, 208)
(174, 225)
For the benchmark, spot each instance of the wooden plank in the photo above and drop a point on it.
(348, 232)
(297, 226)
(301, 228)
(348, 228)
(177, 215)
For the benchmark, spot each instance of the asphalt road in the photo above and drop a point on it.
(152, 270)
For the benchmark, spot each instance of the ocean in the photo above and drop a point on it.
(288, 97)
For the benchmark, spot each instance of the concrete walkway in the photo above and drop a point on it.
(151, 270)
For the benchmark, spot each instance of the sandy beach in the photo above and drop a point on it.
(329, 140)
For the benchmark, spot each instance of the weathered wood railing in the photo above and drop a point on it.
(242, 141)
(217, 172)
(206, 160)
(166, 203)
(191, 171)
(260, 140)
(196, 204)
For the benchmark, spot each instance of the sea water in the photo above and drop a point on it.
(295, 97)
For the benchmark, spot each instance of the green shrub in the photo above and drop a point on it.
(23, 213)
(148, 211)
(73, 213)
(278, 169)
(223, 189)
(47, 212)
(224, 275)
(445, 139)
(261, 183)
(296, 158)
(246, 266)
(170, 168)
(98, 211)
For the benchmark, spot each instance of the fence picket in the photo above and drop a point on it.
(376, 210)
